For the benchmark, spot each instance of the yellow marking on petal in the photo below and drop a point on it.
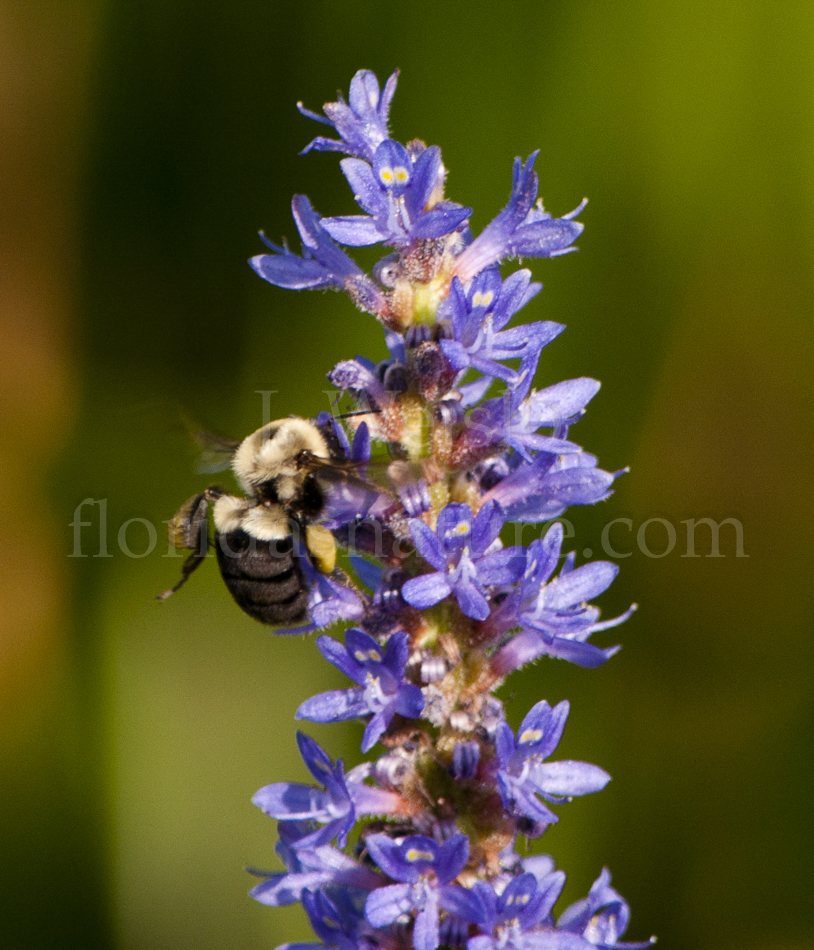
(386, 175)
(531, 735)
(415, 855)
(459, 530)
(363, 655)
(482, 298)
(401, 174)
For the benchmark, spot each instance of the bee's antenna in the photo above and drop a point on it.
(360, 412)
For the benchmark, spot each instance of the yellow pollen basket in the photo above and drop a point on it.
(322, 547)
(415, 855)
(531, 735)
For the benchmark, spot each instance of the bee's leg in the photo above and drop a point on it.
(191, 564)
(190, 529)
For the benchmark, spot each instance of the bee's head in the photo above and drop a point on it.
(270, 463)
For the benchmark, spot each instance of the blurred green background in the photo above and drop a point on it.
(144, 144)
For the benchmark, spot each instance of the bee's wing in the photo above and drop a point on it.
(216, 452)
(354, 474)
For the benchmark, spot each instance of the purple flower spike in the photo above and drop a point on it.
(521, 229)
(435, 628)
(382, 690)
(425, 868)
(523, 775)
(601, 918)
(462, 551)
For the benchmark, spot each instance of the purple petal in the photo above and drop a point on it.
(315, 757)
(462, 903)
(354, 230)
(455, 352)
(545, 238)
(568, 778)
(577, 486)
(376, 727)
(290, 801)
(362, 647)
(329, 601)
(471, 600)
(515, 293)
(424, 178)
(387, 854)
(502, 567)
(361, 444)
(454, 528)
(366, 191)
(585, 655)
(386, 904)
(409, 701)
(392, 167)
(283, 889)
(396, 653)
(483, 943)
(542, 728)
(550, 887)
(486, 526)
(452, 857)
(291, 272)
(579, 586)
(505, 744)
(369, 574)
(562, 401)
(426, 590)
(523, 800)
(376, 801)
(336, 705)
(555, 940)
(338, 654)
(444, 218)
(425, 931)
(472, 393)
(427, 544)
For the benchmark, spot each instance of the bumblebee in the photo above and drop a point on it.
(288, 470)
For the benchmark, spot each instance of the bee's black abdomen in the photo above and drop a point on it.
(264, 577)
